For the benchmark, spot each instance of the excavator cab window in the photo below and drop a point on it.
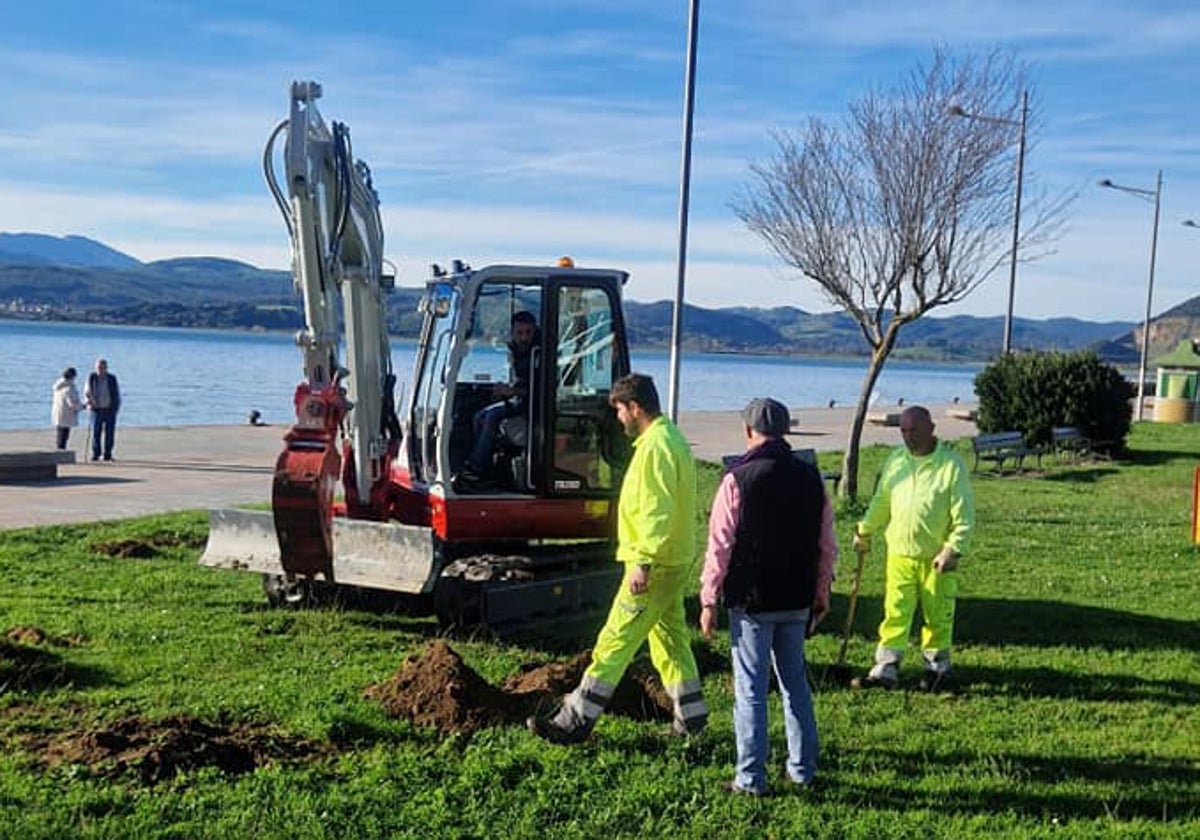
(497, 395)
(589, 447)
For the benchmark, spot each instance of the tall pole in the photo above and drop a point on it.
(685, 180)
(957, 111)
(1016, 237)
(1141, 383)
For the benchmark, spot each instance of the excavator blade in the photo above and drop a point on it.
(376, 555)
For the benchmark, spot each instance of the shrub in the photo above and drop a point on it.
(1034, 392)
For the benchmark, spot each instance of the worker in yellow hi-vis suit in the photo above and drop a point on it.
(924, 501)
(656, 520)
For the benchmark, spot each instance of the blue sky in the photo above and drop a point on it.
(517, 131)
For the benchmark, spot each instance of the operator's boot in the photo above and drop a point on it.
(575, 718)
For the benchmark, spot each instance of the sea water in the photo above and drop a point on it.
(171, 376)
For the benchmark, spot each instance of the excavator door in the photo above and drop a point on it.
(558, 437)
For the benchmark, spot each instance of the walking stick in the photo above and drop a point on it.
(840, 672)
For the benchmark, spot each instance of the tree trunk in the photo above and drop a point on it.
(849, 485)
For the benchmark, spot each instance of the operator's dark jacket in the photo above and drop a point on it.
(776, 551)
(522, 373)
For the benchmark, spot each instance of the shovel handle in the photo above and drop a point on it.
(853, 606)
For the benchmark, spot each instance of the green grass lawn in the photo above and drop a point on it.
(1078, 649)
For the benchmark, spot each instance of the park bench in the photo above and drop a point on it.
(1070, 443)
(808, 456)
(33, 465)
(1002, 447)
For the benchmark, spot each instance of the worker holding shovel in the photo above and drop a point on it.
(925, 503)
(770, 557)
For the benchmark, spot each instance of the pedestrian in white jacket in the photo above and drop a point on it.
(65, 406)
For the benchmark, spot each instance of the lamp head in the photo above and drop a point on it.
(1105, 182)
(1190, 223)
(955, 111)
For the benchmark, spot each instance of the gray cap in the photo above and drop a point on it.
(767, 417)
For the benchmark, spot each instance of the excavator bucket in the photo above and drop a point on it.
(376, 555)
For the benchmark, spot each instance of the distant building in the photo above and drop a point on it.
(1177, 397)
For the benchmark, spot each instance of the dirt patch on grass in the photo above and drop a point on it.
(439, 690)
(38, 636)
(157, 750)
(26, 667)
(142, 548)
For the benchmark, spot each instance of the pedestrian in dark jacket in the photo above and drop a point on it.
(103, 397)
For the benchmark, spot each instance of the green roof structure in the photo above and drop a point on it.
(1186, 355)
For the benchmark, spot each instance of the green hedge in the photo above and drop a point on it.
(1034, 392)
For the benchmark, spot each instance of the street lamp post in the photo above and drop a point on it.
(956, 111)
(685, 180)
(1156, 193)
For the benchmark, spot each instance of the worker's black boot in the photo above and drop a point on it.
(550, 731)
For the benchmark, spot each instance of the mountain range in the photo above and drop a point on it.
(79, 279)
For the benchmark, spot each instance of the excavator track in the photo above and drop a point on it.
(508, 593)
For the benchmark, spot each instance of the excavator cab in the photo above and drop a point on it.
(557, 455)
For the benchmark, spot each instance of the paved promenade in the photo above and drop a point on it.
(166, 468)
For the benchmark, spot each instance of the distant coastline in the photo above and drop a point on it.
(50, 316)
(77, 280)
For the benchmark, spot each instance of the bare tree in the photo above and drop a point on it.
(904, 207)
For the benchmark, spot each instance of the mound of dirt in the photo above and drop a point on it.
(552, 679)
(439, 690)
(157, 750)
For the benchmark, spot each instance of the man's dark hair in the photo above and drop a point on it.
(638, 388)
(523, 317)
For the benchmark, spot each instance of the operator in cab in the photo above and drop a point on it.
(512, 401)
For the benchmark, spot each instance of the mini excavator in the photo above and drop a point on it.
(364, 493)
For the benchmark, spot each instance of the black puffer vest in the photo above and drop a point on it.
(776, 547)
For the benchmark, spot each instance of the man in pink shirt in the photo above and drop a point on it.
(770, 558)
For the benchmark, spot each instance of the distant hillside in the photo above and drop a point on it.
(1166, 331)
(40, 249)
(74, 278)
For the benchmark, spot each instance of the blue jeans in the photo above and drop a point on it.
(104, 422)
(487, 423)
(757, 639)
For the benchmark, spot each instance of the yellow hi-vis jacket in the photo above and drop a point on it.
(656, 514)
(926, 503)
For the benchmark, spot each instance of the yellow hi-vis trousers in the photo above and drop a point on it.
(656, 616)
(909, 580)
